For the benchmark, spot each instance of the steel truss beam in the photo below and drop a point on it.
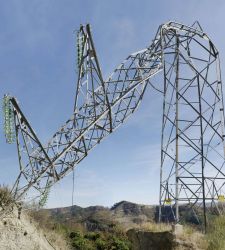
(192, 152)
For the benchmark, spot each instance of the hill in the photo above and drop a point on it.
(101, 218)
(124, 226)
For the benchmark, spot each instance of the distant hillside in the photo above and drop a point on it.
(128, 214)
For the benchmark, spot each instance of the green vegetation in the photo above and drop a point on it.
(99, 241)
(79, 238)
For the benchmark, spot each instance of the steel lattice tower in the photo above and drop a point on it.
(192, 153)
(192, 143)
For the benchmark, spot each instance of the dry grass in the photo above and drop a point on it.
(44, 224)
(7, 202)
(191, 235)
(6, 198)
(214, 239)
(216, 234)
(155, 227)
(56, 240)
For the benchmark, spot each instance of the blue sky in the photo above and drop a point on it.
(37, 65)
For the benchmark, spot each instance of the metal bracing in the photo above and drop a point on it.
(192, 162)
(192, 152)
(100, 107)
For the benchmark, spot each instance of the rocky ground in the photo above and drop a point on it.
(165, 240)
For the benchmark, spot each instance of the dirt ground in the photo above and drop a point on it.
(23, 234)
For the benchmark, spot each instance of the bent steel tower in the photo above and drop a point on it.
(192, 171)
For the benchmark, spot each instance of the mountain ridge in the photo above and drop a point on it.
(126, 213)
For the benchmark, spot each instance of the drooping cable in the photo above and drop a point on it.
(73, 189)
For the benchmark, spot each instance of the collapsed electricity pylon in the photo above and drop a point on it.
(192, 153)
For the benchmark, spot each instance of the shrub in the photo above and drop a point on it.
(92, 236)
(98, 241)
(101, 244)
(81, 244)
(6, 198)
(119, 244)
(76, 235)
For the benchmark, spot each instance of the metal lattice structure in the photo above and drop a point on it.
(192, 152)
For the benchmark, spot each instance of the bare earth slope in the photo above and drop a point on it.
(24, 234)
